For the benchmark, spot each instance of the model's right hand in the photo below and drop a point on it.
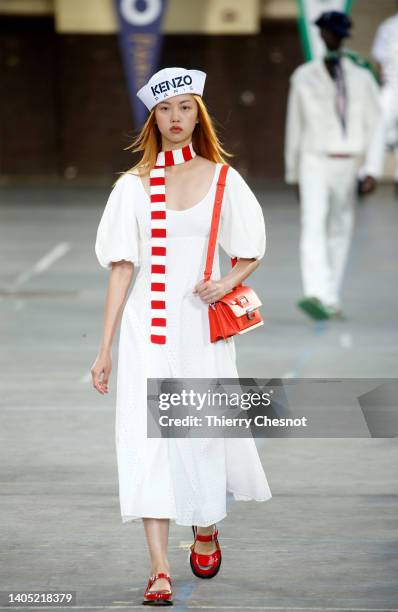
(367, 185)
(100, 372)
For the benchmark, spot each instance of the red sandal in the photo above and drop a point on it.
(205, 566)
(158, 598)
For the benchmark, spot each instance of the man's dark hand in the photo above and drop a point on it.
(367, 185)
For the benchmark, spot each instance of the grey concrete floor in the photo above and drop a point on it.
(327, 540)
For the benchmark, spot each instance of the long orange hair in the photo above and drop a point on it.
(204, 140)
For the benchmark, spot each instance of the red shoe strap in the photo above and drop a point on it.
(206, 538)
(154, 577)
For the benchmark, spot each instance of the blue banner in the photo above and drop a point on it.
(140, 39)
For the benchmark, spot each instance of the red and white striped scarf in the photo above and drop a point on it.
(158, 237)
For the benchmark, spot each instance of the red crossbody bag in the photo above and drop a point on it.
(238, 311)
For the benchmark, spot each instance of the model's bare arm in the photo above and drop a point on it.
(118, 285)
(213, 290)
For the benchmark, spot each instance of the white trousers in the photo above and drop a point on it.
(327, 187)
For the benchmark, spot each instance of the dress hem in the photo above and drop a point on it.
(237, 497)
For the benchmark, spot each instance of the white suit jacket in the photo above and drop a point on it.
(313, 125)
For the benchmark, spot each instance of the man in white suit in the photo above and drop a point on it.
(333, 122)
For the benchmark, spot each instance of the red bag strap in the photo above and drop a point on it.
(215, 221)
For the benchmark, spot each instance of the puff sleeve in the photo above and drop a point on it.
(117, 234)
(242, 225)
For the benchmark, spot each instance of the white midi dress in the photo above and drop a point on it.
(183, 479)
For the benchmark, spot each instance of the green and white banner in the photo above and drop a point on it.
(309, 11)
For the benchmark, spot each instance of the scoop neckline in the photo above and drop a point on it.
(173, 210)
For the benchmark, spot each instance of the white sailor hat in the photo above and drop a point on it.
(171, 82)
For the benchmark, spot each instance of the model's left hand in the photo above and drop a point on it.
(367, 185)
(210, 291)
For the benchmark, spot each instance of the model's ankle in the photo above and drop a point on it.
(206, 530)
(161, 568)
